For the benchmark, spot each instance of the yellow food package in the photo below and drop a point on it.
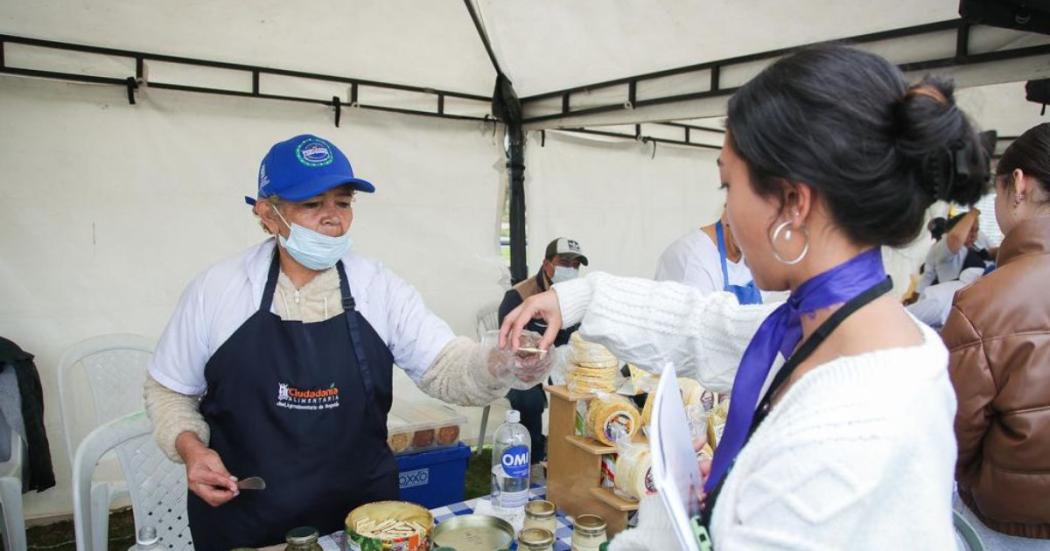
(611, 417)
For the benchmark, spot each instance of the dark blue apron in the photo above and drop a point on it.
(303, 405)
(745, 294)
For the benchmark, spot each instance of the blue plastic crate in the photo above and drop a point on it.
(434, 478)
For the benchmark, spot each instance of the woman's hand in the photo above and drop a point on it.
(705, 471)
(523, 369)
(206, 475)
(544, 306)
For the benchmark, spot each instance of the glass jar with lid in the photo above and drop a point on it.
(588, 533)
(540, 514)
(303, 538)
(536, 539)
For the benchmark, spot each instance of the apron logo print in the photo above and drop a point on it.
(290, 397)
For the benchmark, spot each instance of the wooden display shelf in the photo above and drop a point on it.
(589, 445)
(563, 391)
(574, 466)
(610, 498)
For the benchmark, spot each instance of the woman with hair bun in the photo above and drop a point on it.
(998, 336)
(828, 156)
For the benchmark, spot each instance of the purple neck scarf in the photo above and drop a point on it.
(781, 333)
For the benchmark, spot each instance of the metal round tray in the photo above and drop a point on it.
(474, 533)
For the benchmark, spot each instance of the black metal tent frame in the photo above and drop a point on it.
(515, 127)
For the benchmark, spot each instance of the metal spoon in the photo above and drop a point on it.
(251, 483)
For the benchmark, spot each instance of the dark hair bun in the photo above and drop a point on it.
(948, 158)
(875, 151)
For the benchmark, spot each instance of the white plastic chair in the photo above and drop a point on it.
(157, 486)
(12, 472)
(487, 320)
(114, 367)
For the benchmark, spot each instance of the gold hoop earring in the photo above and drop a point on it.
(787, 237)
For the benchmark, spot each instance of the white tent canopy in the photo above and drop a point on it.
(111, 208)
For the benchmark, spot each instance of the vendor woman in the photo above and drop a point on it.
(278, 363)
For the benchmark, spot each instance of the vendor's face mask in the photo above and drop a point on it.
(563, 273)
(316, 251)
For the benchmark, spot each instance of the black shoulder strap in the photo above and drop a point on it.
(271, 283)
(353, 325)
(802, 354)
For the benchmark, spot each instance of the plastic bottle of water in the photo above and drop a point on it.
(146, 539)
(510, 467)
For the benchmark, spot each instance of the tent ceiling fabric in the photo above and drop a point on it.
(546, 45)
(542, 45)
(429, 43)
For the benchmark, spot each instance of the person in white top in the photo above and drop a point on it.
(839, 434)
(961, 247)
(709, 260)
(278, 363)
(935, 302)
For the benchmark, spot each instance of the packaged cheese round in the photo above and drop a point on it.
(716, 423)
(588, 354)
(611, 418)
(693, 394)
(634, 474)
(592, 379)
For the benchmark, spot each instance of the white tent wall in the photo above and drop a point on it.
(110, 209)
(623, 206)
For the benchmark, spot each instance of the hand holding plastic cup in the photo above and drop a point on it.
(521, 369)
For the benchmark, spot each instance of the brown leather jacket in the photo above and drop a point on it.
(998, 334)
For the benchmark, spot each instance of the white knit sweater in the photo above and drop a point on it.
(858, 454)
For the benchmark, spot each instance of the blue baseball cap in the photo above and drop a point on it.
(303, 167)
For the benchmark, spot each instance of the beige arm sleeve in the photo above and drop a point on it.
(460, 375)
(172, 414)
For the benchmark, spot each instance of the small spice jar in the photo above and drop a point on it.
(540, 514)
(536, 539)
(589, 533)
(303, 538)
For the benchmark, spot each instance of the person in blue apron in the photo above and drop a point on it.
(699, 257)
(745, 294)
(278, 363)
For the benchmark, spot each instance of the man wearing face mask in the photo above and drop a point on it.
(278, 363)
(561, 262)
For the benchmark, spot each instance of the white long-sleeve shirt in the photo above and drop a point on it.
(219, 300)
(858, 454)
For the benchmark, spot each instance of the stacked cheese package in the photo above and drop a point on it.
(608, 418)
(716, 423)
(700, 405)
(591, 367)
(634, 471)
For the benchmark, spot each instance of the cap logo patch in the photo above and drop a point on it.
(573, 245)
(314, 153)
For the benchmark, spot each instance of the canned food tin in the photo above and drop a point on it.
(474, 533)
(389, 526)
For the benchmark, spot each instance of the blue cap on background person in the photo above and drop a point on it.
(303, 167)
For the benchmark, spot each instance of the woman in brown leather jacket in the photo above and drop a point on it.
(998, 334)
